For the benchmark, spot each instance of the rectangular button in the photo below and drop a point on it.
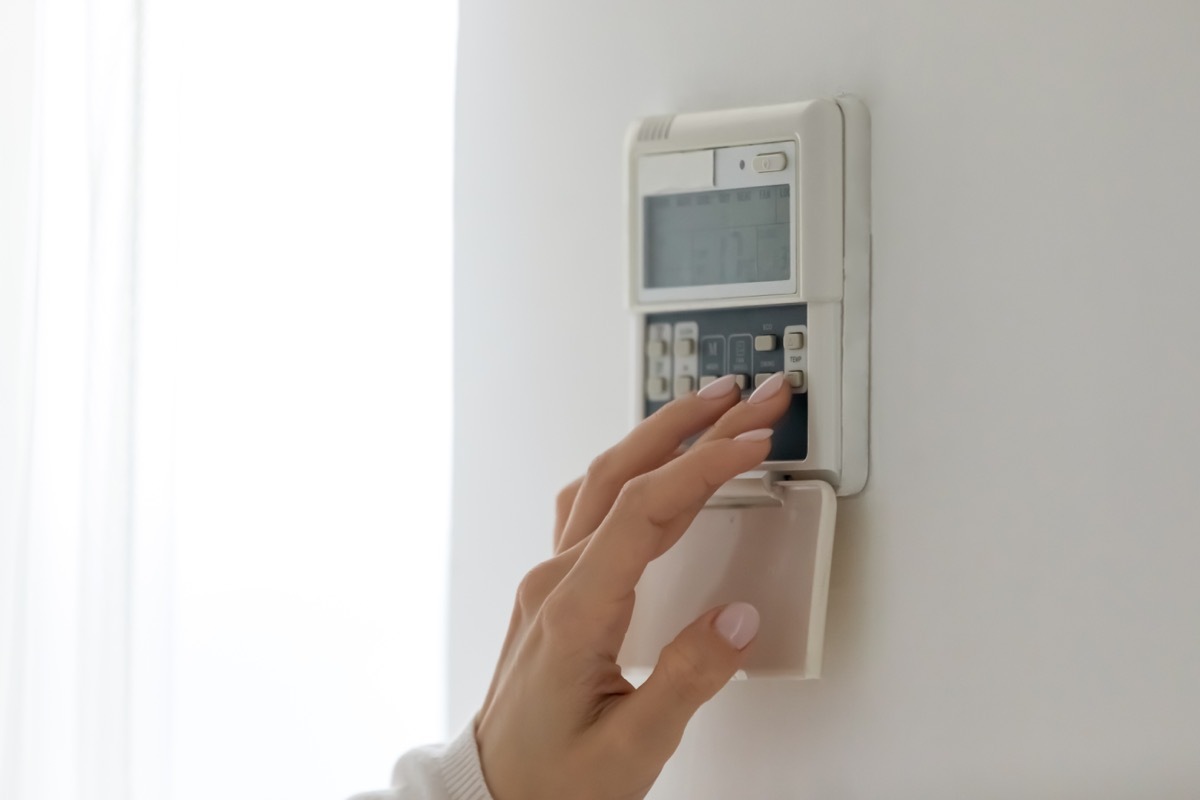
(683, 385)
(741, 356)
(796, 379)
(793, 341)
(712, 355)
(656, 387)
(656, 348)
(770, 162)
(765, 343)
(684, 347)
(762, 377)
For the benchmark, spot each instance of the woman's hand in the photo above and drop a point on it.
(559, 720)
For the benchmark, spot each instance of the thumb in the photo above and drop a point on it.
(690, 670)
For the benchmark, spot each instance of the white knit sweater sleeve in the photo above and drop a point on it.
(438, 772)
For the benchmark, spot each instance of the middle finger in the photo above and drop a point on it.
(761, 410)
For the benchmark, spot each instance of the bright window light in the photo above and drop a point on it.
(300, 158)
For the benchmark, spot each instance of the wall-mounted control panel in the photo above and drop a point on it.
(749, 254)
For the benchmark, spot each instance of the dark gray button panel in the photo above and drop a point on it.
(747, 342)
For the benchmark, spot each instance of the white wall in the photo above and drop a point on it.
(16, 120)
(1015, 604)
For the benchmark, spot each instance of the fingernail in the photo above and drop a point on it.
(718, 388)
(737, 623)
(754, 436)
(770, 386)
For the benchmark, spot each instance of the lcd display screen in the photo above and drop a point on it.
(718, 237)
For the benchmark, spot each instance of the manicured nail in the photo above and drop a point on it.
(718, 388)
(737, 623)
(754, 436)
(770, 386)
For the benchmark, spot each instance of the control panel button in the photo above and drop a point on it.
(683, 385)
(765, 342)
(684, 347)
(712, 355)
(741, 354)
(762, 377)
(740, 381)
(656, 387)
(705, 380)
(656, 348)
(793, 341)
(770, 162)
(796, 379)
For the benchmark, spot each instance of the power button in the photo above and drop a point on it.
(770, 162)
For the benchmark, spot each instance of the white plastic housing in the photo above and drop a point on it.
(815, 127)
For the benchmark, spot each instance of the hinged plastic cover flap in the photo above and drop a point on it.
(755, 488)
(776, 557)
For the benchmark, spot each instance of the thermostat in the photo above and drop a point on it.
(749, 254)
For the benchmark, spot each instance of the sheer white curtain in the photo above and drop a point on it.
(222, 561)
(68, 601)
